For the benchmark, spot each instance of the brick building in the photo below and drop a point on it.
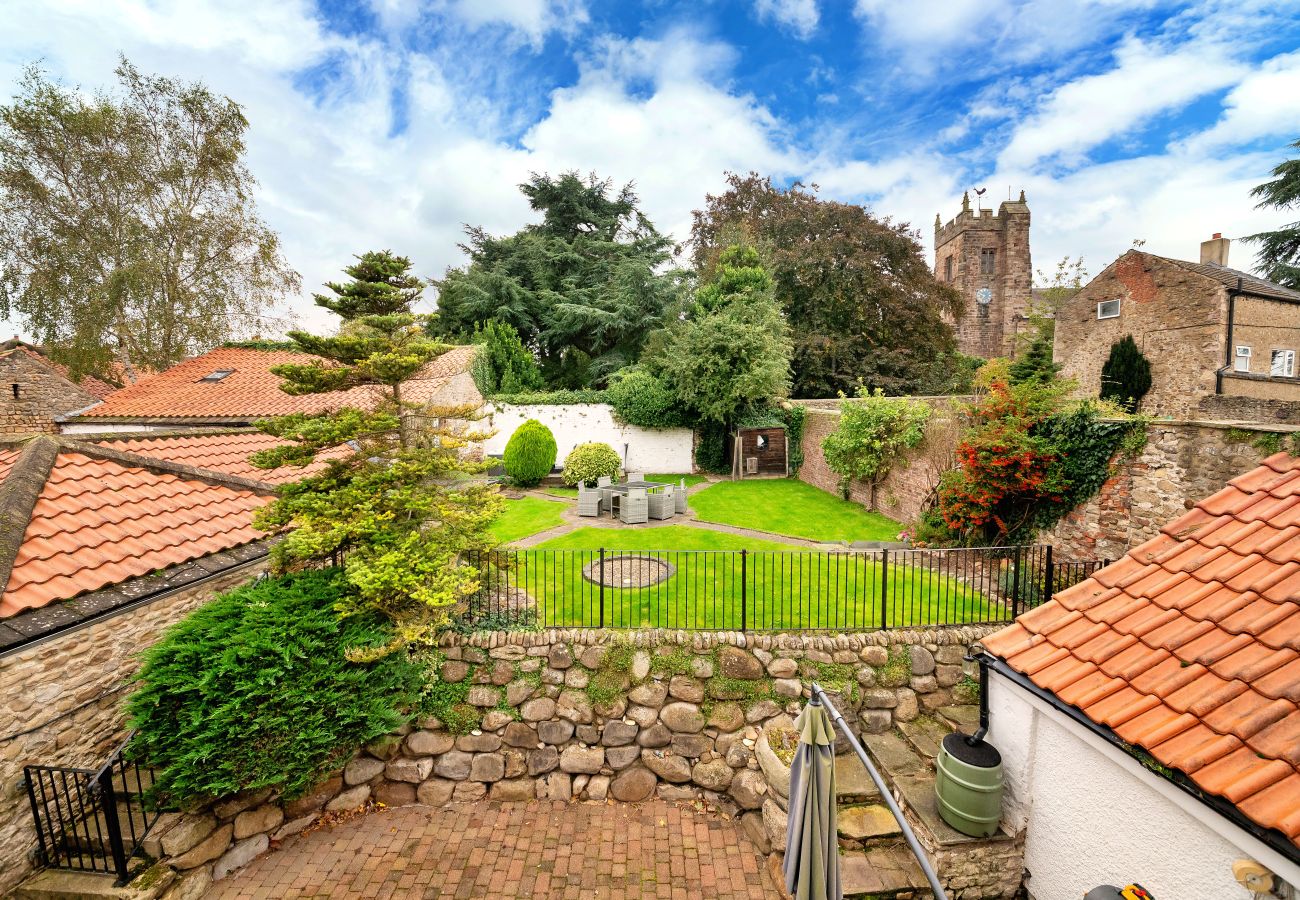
(1222, 343)
(985, 256)
(34, 390)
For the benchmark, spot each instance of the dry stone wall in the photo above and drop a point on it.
(596, 716)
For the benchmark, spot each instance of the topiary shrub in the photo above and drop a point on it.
(587, 462)
(530, 454)
(1126, 376)
(252, 691)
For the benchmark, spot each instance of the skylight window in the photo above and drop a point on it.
(217, 375)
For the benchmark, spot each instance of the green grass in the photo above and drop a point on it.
(560, 490)
(785, 587)
(526, 516)
(791, 507)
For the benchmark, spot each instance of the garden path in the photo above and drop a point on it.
(494, 850)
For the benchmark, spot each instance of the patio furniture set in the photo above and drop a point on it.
(634, 500)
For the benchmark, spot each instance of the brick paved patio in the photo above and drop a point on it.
(540, 849)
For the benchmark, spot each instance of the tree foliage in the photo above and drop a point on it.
(129, 237)
(503, 365)
(639, 397)
(857, 292)
(730, 351)
(1279, 250)
(872, 431)
(252, 691)
(530, 454)
(399, 509)
(1035, 361)
(1126, 374)
(590, 461)
(583, 287)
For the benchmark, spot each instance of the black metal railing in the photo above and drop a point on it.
(763, 590)
(91, 820)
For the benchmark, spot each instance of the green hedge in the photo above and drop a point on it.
(641, 399)
(530, 453)
(252, 691)
(551, 398)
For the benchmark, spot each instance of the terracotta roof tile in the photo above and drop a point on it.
(226, 453)
(1189, 647)
(97, 522)
(251, 391)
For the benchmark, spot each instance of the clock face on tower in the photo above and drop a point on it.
(984, 295)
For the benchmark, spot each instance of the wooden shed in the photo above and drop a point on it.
(760, 451)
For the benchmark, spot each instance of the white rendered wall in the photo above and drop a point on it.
(1096, 816)
(643, 449)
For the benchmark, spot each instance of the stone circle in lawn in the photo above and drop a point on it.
(628, 571)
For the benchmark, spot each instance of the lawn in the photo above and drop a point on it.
(787, 506)
(560, 490)
(526, 516)
(783, 586)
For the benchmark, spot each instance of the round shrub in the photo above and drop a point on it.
(252, 691)
(590, 461)
(641, 399)
(530, 454)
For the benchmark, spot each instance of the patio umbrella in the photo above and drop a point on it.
(812, 860)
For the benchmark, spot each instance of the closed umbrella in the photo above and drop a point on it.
(812, 860)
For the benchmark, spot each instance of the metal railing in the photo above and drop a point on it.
(91, 820)
(763, 590)
(819, 696)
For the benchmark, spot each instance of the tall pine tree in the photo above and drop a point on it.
(397, 510)
(1279, 250)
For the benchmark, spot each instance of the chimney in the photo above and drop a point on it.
(1215, 250)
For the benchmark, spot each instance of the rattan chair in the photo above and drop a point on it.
(635, 476)
(588, 500)
(661, 505)
(633, 507)
(679, 497)
(602, 483)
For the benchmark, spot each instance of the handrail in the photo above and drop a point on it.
(819, 697)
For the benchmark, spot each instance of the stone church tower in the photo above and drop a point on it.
(985, 256)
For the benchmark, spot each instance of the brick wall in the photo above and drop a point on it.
(907, 488)
(42, 394)
(61, 703)
(1182, 463)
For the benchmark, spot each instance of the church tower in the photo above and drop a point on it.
(985, 256)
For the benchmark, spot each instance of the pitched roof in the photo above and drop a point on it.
(76, 517)
(1189, 647)
(1231, 278)
(89, 383)
(216, 451)
(250, 390)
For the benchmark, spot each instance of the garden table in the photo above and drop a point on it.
(624, 486)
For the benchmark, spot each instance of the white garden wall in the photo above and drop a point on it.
(1095, 816)
(642, 449)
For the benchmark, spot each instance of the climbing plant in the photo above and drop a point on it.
(872, 431)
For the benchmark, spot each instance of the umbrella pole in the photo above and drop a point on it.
(819, 697)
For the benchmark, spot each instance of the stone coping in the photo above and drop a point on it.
(703, 640)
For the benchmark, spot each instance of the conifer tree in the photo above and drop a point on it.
(1126, 376)
(1279, 250)
(1035, 361)
(397, 510)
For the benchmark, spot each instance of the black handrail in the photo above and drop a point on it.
(819, 698)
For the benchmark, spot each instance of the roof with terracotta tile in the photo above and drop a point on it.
(251, 391)
(224, 451)
(1189, 646)
(76, 517)
(96, 387)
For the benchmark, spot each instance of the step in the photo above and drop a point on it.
(894, 756)
(926, 735)
(866, 822)
(852, 783)
(882, 873)
(965, 719)
(60, 884)
(918, 793)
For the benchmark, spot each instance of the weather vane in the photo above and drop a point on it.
(979, 198)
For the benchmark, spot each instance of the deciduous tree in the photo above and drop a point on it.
(128, 232)
(860, 299)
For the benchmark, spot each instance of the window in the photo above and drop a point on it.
(1108, 309)
(1243, 360)
(947, 269)
(988, 261)
(1282, 364)
(15, 390)
(217, 375)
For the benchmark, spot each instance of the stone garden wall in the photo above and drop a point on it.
(599, 716)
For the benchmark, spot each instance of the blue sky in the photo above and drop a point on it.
(390, 123)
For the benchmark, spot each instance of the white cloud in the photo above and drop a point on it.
(1265, 103)
(532, 18)
(1145, 81)
(798, 16)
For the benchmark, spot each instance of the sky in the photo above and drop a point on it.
(393, 123)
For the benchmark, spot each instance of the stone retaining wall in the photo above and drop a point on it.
(597, 716)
